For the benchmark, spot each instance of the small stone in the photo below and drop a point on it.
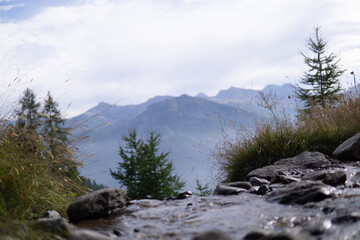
(181, 196)
(118, 232)
(255, 181)
(51, 214)
(334, 179)
(276, 236)
(346, 218)
(245, 185)
(222, 189)
(263, 189)
(184, 195)
(88, 235)
(212, 235)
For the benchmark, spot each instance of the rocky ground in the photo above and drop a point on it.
(308, 196)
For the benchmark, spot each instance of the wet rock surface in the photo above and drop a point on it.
(302, 200)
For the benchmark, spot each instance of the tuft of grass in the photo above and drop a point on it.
(321, 129)
(28, 185)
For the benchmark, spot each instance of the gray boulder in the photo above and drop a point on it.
(292, 166)
(97, 204)
(302, 192)
(349, 150)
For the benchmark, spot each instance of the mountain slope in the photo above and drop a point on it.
(190, 128)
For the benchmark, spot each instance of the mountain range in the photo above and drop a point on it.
(191, 127)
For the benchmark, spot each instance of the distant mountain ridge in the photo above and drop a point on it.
(186, 123)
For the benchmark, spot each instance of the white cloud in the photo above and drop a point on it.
(133, 50)
(9, 7)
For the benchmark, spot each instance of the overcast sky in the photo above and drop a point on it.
(126, 51)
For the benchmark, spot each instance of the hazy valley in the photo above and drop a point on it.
(190, 126)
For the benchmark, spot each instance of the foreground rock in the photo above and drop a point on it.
(97, 204)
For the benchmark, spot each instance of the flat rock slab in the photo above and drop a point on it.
(311, 160)
(97, 204)
(302, 192)
(303, 161)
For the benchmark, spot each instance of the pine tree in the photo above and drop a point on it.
(202, 190)
(144, 171)
(28, 115)
(53, 131)
(322, 78)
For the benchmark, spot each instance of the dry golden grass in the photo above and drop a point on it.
(322, 129)
(28, 186)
